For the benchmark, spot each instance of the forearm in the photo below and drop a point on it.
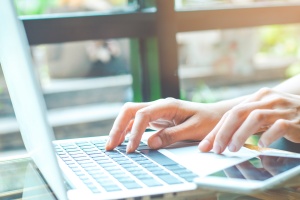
(222, 107)
(291, 85)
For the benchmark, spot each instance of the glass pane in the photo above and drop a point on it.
(194, 4)
(84, 83)
(35, 7)
(222, 64)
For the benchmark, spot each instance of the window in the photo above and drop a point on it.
(186, 49)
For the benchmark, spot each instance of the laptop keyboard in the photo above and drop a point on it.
(111, 171)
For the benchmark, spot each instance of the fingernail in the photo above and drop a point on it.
(232, 147)
(217, 149)
(129, 147)
(204, 145)
(155, 143)
(261, 144)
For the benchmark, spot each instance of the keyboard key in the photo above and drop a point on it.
(174, 167)
(73, 151)
(81, 158)
(102, 179)
(144, 162)
(79, 155)
(116, 156)
(84, 161)
(69, 162)
(189, 177)
(112, 188)
(110, 168)
(151, 165)
(88, 145)
(107, 164)
(131, 185)
(64, 156)
(73, 166)
(170, 179)
(158, 157)
(88, 165)
(100, 176)
(133, 156)
(92, 151)
(96, 155)
(122, 160)
(133, 169)
(143, 176)
(125, 178)
(151, 182)
(76, 170)
(116, 172)
(95, 190)
(121, 176)
(83, 178)
(129, 166)
(68, 145)
(138, 172)
(160, 172)
(103, 161)
(79, 173)
(95, 172)
(102, 141)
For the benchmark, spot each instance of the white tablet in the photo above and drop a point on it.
(256, 174)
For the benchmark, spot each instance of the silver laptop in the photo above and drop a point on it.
(89, 170)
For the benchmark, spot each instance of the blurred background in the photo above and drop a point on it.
(85, 83)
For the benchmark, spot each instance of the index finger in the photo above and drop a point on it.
(122, 122)
(161, 109)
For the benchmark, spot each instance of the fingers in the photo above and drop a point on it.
(127, 130)
(136, 117)
(207, 143)
(165, 109)
(241, 122)
(187, 130)
(123, 124)
(161, 124)
(282, 127)
(238, 125)
(253, 123)
(219, 138)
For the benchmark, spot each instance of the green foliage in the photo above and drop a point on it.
(203, 94)
(293, 70)
(34, 7)
(118, 2)
(280, 40)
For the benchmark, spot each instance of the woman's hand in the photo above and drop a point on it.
(274, 113)
(175, 119)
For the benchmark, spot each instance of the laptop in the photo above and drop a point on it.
(81, 168)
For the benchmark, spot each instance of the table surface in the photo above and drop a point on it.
(20, 179)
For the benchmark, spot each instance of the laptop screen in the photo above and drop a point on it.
(26, 96)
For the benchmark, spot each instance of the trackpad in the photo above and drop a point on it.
(188, 155)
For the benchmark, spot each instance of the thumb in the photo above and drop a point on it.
(161, 139)
(170, 135)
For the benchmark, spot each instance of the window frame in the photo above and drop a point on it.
(155, 28)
